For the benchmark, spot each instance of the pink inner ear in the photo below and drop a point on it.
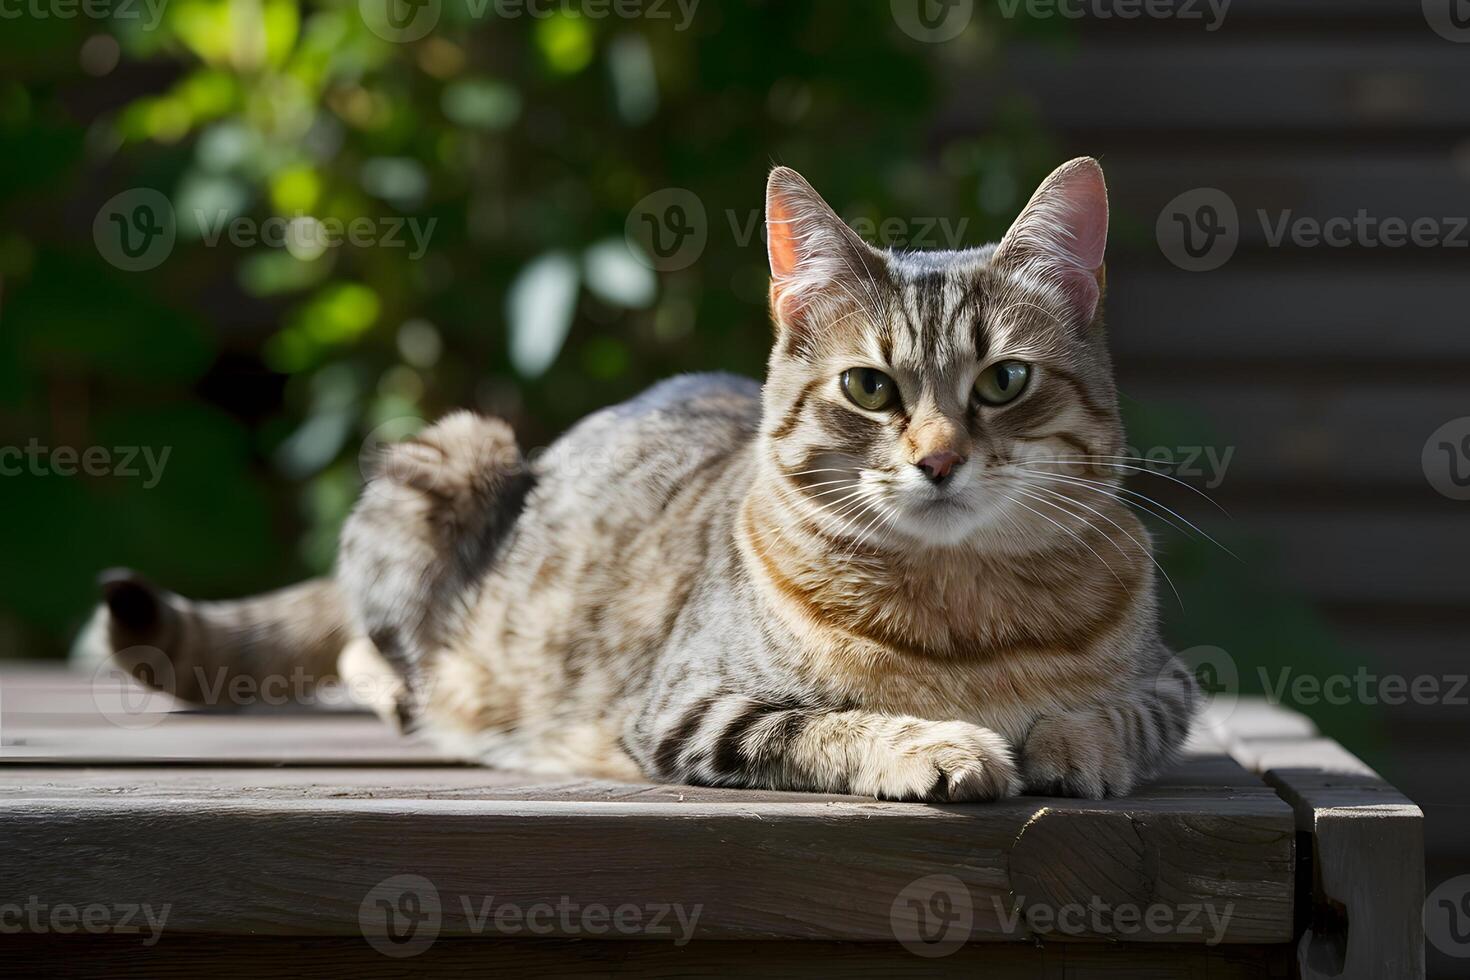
(1083, 203)
(1082, 291)
(1062, 234)
(780, 236)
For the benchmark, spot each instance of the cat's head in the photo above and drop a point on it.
(920, 392)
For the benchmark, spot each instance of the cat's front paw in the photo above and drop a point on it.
(938, 762)
(1075, 755)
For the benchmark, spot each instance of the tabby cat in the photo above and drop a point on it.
(894, 570)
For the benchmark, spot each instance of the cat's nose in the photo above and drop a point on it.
(938, 466)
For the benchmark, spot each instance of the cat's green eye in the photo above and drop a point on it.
(1001, 383)
(870, 389)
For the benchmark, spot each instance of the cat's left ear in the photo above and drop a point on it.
(818, 263)
(1061, 235)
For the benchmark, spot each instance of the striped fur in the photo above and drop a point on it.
(722, 584)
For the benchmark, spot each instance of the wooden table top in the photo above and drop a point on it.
(288, 823)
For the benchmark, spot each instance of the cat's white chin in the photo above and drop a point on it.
(945, 518)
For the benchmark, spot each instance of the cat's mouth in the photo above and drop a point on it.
(943, 497)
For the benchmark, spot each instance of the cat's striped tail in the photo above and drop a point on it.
(287, 641)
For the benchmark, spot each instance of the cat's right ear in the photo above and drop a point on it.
(817, 261)
(1061, 236)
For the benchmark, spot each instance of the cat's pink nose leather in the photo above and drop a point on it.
(937, 466)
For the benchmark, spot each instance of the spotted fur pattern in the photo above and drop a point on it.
(725, 584)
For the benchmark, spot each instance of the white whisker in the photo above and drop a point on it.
(1081, 460)
(1111, 490)
(1141, 546)
(1074, 534)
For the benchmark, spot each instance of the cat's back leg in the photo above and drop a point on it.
(428, 525)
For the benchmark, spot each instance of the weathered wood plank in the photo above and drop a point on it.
(78, 718)
(1367, 854)
(1201, 777)
(296, 850)
(1216, 869)
(239, 739)
(230, 957)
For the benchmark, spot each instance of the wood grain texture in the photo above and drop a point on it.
(282, 825)
(49, 716)
(806, 869)
(1364, 916)
(232, 957)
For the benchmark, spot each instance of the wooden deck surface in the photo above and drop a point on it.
(265, 824)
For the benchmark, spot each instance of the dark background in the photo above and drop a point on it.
(531, 143)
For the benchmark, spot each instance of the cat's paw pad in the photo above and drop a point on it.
(1075, 755)
(939, 762)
